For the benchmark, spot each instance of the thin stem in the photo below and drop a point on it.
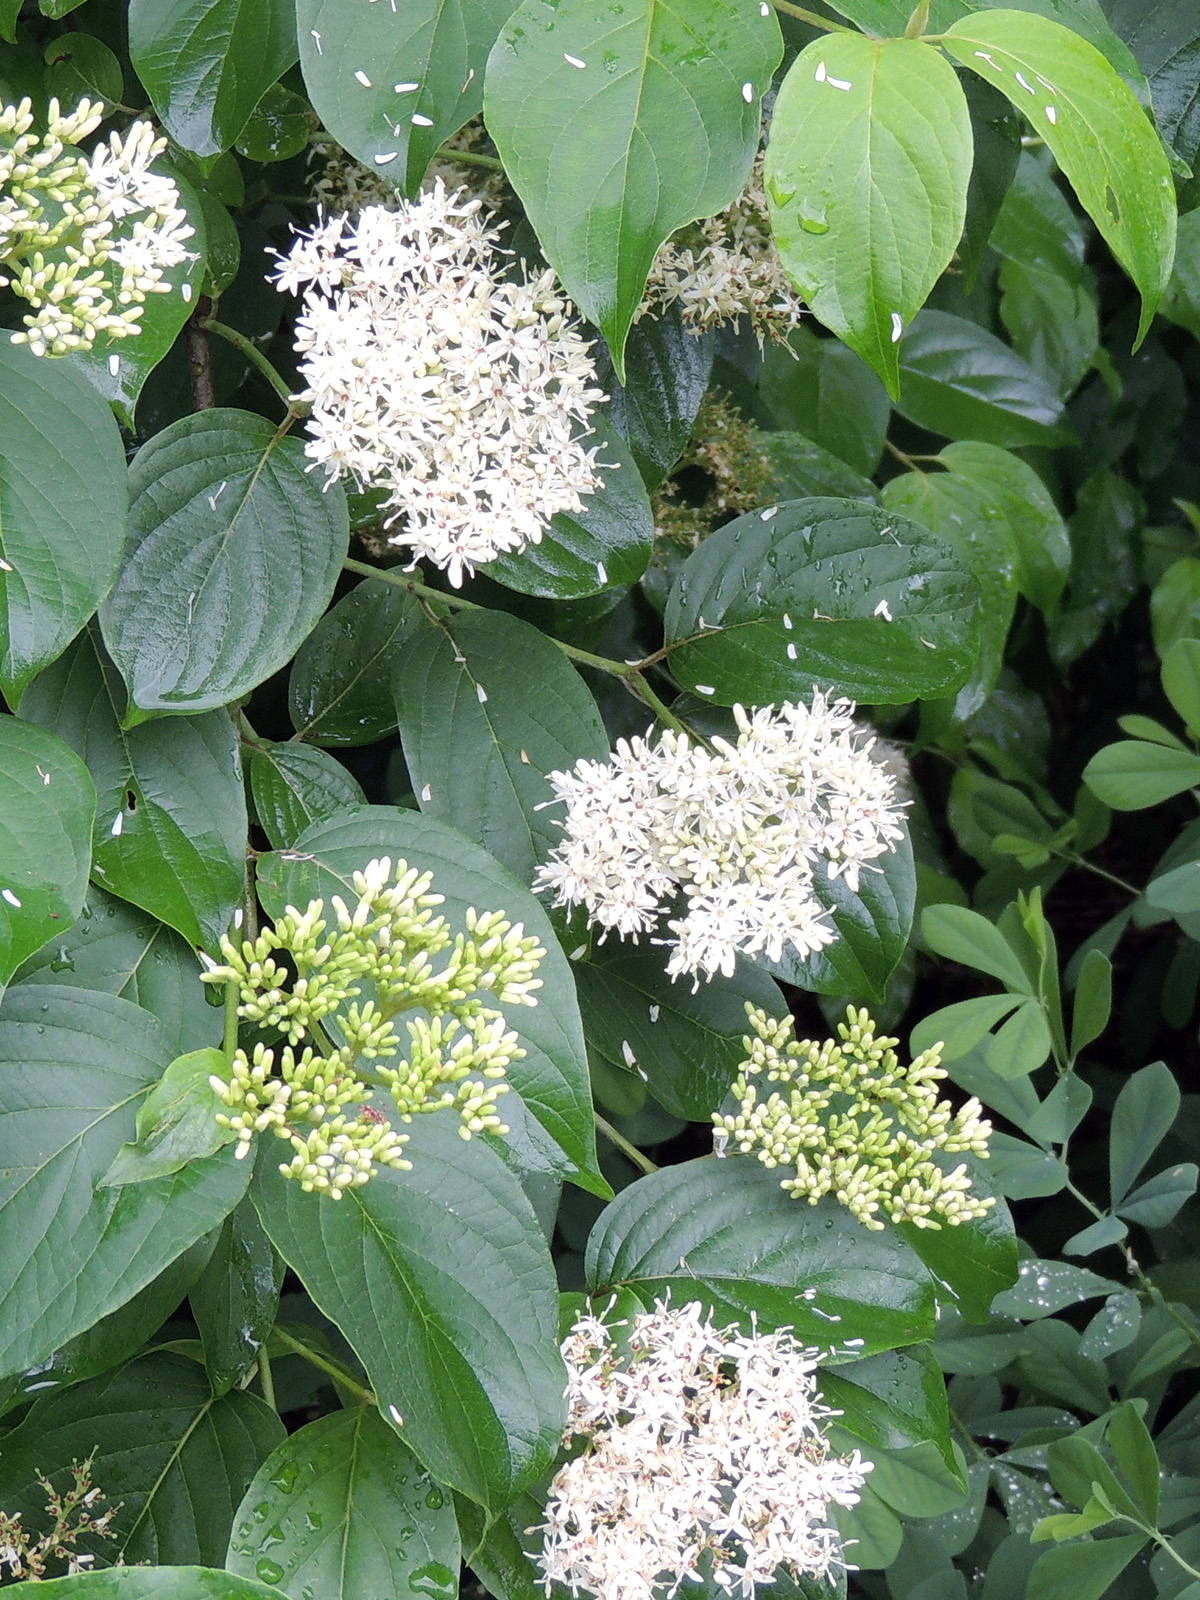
(1165, 1544)
(265, 1378)
(663, 712)
(817, 21)
(911, 462)
(629, 1151)
(1100, 872)
(200, 364)
(253, 355)
(365, 1396)
(468, 158)
(977, 1449)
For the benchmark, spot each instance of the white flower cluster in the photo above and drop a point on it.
(739, 829)
(705, 1454)
(84, 242)
(459, 392)
(726, 269)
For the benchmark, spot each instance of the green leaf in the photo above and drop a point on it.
(1022, 1045)
(207, 63)
(176, 1124)
(171, 812)
(1084, 1571)
(974, 1260)
(963, 935)
(1181, 680)
(1132, 774)
(1157, 1203)
(10, 10)
(866, 176)
(654, 130)
(608, 542)
(1023, 1171)
(118, 949)
(892, 1400)
(1144, 1114)
(1044, 1287)
(1093, 1000)
(551, 1082)
(964, 383)
(667, 369)
(1095, 128)
(1175, 598)
(1135, 1455)
(221, 508)
(960, 1027)
(47, 808)
(1164, 36)
(820, 388)
(147, 1583)
(176, 1458)
(236, 1299)
(758, 581)
(76, 1066)
(441, 1280)
(279, 128)
(1105, 530)
(339, 692)
(294, 785)
(996, 133)
(342, 1509)
(487, 707)
(873, 926)
(918, 1482)
(1097, 1236)
(391, 86)
(62, 517)
(1012, 495)
(725, 1233)
(803, 470)
(688, 1045)
(78, 66)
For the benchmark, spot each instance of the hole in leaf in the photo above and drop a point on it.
(1111, 204)
(130, 800)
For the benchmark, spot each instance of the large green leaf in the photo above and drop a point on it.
(62, 510)
(1095, 127)
(342, 1509)
(391, 85)
(47, 808)
(822, 591)
(176, 1458)
(207, 63)
(616, 128)
(725, 1233)
(294, 785)
(667, 369)
(1012, 494)
(339, 692)
(487, 707)
(687, 1043)
(441, 1280)
(823, 390)
(973, 1260)
(232, 556)
(236, 1299)
(147, 1583)
(867, 174)
(892, 1400)
(1164, 35)
(1133, 773)
(76, 1066)
(551, 1081)
(171, 818)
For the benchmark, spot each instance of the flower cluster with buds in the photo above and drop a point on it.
(305, 979)
(71, 1515)
(855, 1124)
(704, 1455)
(459, 392)
(725, 269)
(83, 241)
(739, 830)
(342, 184)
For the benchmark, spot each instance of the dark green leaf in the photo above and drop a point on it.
(1093, 1000)
(1098, 1236)
(171, 817)
(1164, 35)
(339, 692)
(1181, 680)
(47, 808)
(1022, 1171)
(1158, 1202)
(148, 1583)
(996, 132)
(892, 1400)
(1046, 1286)
(176, 1123)
(177, 1459)
(342, 1509)
(587, 147)
(803, 593)
(1013, 494)
(221, 508)
(294, 785)
(1083, 1571)
(820, 388)
(1105, 531)
(974, 1260)
(964, 383)
(279, 127)
(207, 63)
(667, 369)
(725, 1233)
(77, 1064)
(236, 1298)
(868, 186)
(79, 66)
(551, 1081)
(1135, 1455)
(63, 470)
(391, 86)
(1144, 1113)
(803, 470)
(441, 1280)
(688, 1045)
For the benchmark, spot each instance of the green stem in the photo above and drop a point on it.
(253, 355)
(629, 1151)
(265, 1378)
(977, 1449)
(364, 1395)
(812, 17)
(1100, 872)
(468, 158)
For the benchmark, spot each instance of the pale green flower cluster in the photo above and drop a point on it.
(855, 1124)
(83, 240)
(306, 979)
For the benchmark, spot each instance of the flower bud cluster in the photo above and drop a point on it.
(304, 978)
(432, 376)
(855, 1124)
(725, 269)
(740, 830)
(83, 241)
(72, 1515)
(704, 1454)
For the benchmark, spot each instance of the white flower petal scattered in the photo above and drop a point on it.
(705, 1453)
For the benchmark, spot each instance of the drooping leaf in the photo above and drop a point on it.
(176, 1122)
(339, 692)
(667, 369)
(820, 388)
(822, 591)
(441, 1280)
(866, 176)
(294, 785)
(221, 508)
(892, 1400)
(236, 1299)
(591, 110)
(62, 510)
